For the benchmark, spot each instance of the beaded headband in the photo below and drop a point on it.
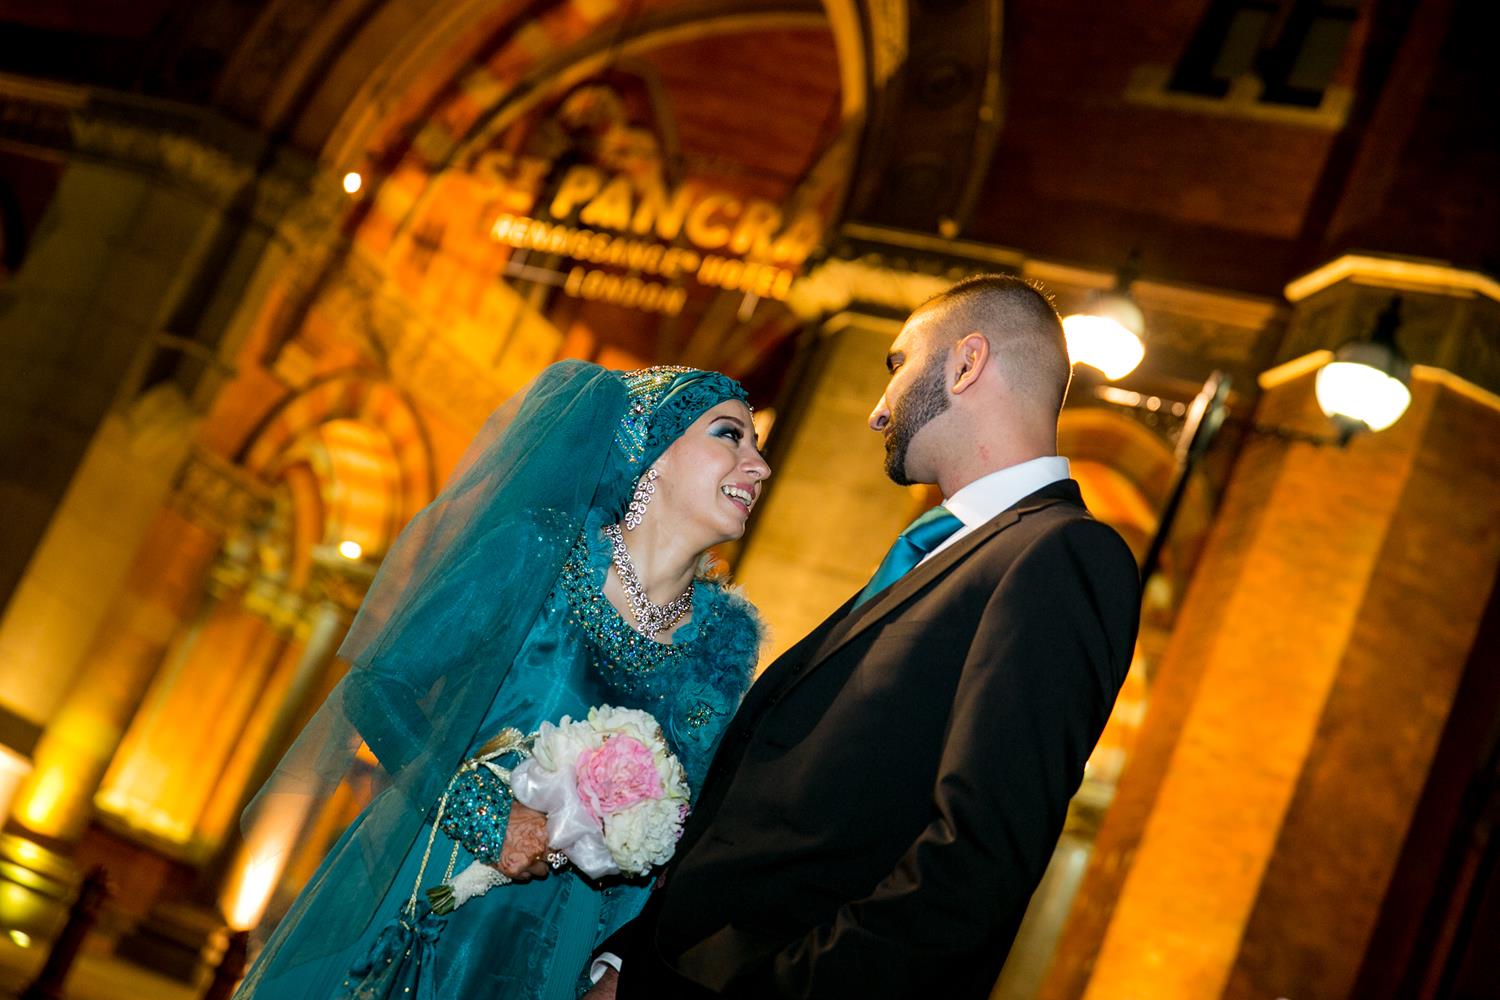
(662, 401)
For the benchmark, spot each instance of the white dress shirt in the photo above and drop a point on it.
(988, 495)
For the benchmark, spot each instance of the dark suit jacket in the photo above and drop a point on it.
(891, 790)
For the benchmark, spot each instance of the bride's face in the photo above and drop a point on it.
(711, 476)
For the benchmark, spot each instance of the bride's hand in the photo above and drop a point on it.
(525, 843)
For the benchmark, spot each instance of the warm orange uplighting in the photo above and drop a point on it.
(43, 800)
(54, 800)
(764, 419)
(146, 815)
(28, 853)
(261, 859)
(13, 770)
(248, 895)
(353, 182)
(351, 550)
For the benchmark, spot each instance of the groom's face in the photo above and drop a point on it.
(916, 393)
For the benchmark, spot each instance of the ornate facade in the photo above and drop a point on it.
(266, 268)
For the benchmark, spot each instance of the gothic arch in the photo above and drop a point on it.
(1126, 472)
(384, 413)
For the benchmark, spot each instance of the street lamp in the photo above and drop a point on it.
(1364, 387)
(1367, 385)
(1109, 333)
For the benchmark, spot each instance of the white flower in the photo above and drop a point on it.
(557, 747)
(629, 722)
(645, 835)
(633, 839)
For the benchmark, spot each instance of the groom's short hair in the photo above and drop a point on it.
(1019, 320)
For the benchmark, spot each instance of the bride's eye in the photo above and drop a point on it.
(729, 431)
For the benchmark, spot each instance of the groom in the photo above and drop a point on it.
(889, 794)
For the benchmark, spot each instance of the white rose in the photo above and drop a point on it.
(673, 777)
(627, 721)
(645, 835)
(557, 747)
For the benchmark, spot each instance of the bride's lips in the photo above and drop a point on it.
(742, 505)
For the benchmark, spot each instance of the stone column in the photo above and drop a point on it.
(298, 686)
(178, 744)
(1299, 706)
(829, 512)
(84, 559)
(162, 219)
(237, 753)
(160, 592)
(256, 860)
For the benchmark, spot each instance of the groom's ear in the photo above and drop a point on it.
(973, 354)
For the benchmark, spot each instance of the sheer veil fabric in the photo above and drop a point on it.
(453, 602)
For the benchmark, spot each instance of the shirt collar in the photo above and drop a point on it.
(988, 495)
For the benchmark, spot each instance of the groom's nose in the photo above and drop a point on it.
(880, 416)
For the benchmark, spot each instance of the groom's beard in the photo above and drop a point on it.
(925, 400)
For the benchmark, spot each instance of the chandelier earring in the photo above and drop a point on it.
(645, 489)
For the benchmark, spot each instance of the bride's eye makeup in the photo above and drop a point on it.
(735, 431)
(726, 429)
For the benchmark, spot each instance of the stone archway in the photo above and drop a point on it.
(1126, 471)
(341, 462)
(387, 424)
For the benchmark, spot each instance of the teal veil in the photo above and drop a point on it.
(454, 601)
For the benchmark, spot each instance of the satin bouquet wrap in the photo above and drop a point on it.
(614, 794)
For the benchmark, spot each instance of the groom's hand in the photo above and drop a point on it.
(525, 843)
(604, 989)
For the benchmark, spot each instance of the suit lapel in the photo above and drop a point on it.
(883, 604)
(789, 664)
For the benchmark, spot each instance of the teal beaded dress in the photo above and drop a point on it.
(533, 941)
(487, 614)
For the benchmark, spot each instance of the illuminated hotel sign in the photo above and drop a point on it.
(738, 245)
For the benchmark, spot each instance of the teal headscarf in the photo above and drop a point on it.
(458, 593)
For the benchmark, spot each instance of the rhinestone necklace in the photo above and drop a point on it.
(650, 619)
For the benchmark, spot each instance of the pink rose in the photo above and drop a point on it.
(615, 776)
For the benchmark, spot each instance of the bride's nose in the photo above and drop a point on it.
(757, 467)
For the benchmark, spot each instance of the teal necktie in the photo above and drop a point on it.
(920, 537)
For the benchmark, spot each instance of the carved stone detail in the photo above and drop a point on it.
(217, 494)
(193, 147)
(835, 284)
(338, 581)
(149, 145)
(418, 358)
(1216, 344)
(259, 67)
(890, 269)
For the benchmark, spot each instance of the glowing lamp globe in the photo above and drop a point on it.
(1361, 387)
(1107, 335)
(1367, 385)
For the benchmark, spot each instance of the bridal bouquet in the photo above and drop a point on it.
(614, 794)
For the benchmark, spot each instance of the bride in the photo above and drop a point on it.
(557, 571)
